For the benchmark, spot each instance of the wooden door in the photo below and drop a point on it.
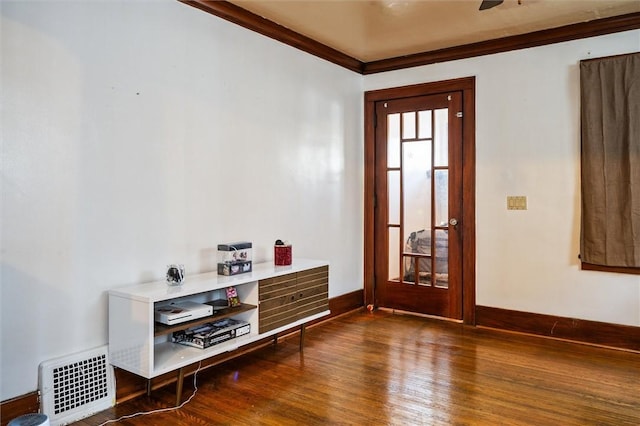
(418, 192)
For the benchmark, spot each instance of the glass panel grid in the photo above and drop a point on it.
(416, 187)
(394, 253)
(393, 140)
(424, 124)
(409, 125)
(441, 258)
(441, 148)
(393, 197)
(417, 172)
(441, 197)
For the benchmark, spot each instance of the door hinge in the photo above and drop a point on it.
(459, 114)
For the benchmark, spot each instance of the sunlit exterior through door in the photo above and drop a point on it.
(418, 197)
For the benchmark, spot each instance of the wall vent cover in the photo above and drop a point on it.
(76, 386)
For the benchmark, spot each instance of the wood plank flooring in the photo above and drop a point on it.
(384, 369)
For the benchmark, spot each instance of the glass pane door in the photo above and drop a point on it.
(418, 197)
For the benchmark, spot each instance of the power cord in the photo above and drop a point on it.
(161, 410)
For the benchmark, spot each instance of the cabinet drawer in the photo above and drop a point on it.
(280, 301)
(272, 288)
(291, 297)
(320, 274)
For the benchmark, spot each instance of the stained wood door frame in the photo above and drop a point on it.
(468, 223)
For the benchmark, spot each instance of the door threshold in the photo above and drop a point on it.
(418, 314)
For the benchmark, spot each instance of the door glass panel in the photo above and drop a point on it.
(393, 140)
(419, 265)
(441, 191)
(416, 197)
(409, 265)
(442, 258)
(408, 125)
(393, 196)
(424, 124)
(441, 148)
(394, 253)
(416, 186)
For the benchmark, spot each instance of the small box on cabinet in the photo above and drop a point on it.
(234, 258)
(234, 268)
(234, 252)
(282, 254)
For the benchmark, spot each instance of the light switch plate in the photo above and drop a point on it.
(516, 202)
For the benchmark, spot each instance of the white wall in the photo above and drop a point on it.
(137, 134)
(528, 143)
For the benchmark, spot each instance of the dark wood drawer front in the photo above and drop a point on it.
(313, 291)
(288, 298)
(275, 287)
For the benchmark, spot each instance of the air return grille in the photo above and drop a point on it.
(76, 386)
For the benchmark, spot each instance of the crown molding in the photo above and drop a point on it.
(522, 41)
(253, 22)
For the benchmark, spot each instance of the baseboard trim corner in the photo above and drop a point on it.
(19, 406)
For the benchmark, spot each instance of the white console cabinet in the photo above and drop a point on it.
(141, 346)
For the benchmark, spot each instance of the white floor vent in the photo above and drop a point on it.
(76, 386)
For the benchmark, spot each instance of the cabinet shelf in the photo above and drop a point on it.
(161, 329)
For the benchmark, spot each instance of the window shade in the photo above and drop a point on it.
(610, 159)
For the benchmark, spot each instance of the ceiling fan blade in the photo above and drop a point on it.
(488, 4)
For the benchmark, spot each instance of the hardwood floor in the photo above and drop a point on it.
(385, 369)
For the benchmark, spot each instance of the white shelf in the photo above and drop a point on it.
(133, 345)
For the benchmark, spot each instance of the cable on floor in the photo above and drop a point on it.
(161, 410)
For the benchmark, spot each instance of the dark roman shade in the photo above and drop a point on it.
(610, 160)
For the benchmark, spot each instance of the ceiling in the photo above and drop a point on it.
(372, 30)
(369, 36)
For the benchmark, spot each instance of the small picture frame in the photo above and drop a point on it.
(232, 297)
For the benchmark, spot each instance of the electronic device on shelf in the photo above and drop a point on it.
(178, 312)
(210, 334)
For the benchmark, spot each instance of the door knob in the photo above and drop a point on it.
(453, 221)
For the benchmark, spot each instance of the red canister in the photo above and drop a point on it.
(282, 254)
